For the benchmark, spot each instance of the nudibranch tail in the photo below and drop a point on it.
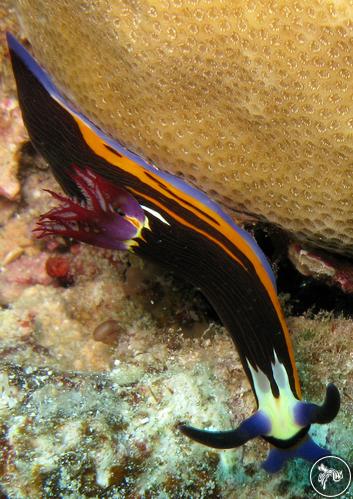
(305, 449)
(111, 193)
(307, 413)
(106, 216)
(256, 425)
(260, 424)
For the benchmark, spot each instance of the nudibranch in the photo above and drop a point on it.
(117, 200)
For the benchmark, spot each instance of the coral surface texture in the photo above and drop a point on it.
(249, 100)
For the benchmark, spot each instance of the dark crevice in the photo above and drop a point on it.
(305, 293)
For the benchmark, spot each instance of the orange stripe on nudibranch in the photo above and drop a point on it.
(186, 223)
(100, 148)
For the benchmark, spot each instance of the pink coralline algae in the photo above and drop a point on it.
(28, 270)
(333, 270)
(58, 267)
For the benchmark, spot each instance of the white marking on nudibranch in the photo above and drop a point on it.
(156, 214)
(280, 410)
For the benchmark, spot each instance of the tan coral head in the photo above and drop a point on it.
(251, 101)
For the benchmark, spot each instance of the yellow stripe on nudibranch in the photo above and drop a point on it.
(132, 243)
(280, 410)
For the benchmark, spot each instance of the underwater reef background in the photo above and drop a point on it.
(89, 408)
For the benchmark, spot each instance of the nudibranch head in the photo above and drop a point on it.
(106, 215)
